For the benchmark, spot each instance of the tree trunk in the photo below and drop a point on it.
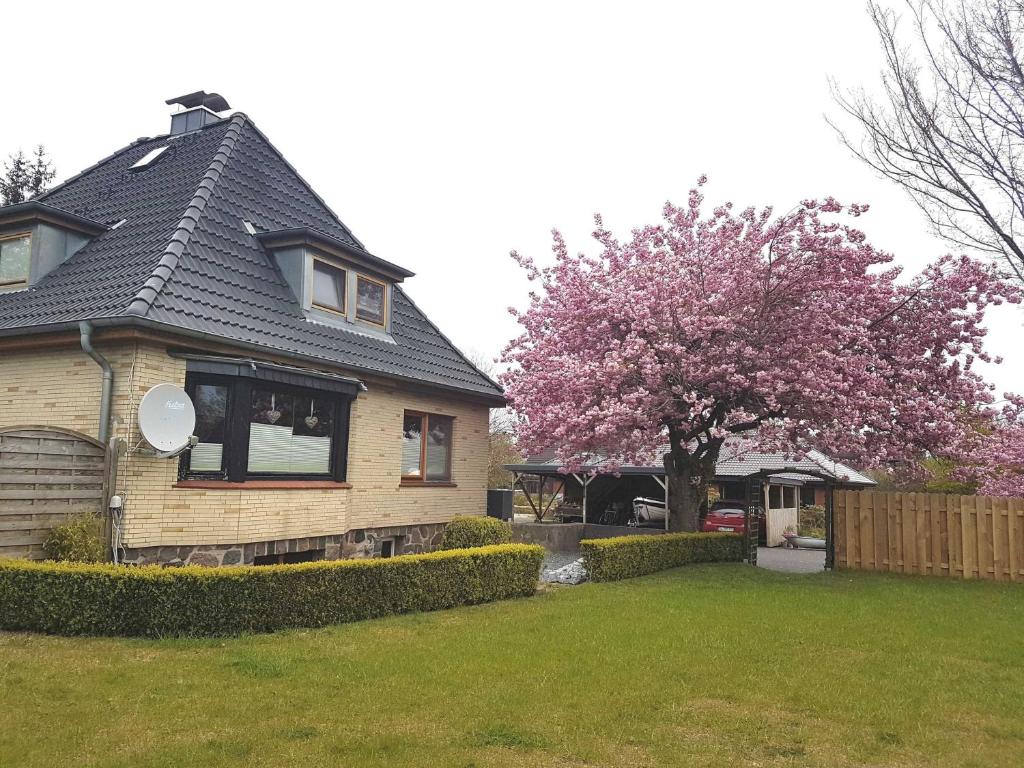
(688, 475)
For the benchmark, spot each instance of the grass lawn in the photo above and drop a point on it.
(720, 665)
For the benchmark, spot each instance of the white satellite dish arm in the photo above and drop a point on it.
(153, 452)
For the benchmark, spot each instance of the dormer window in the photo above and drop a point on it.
(336, 283)
(36, 238)
(329, 286)
(15, 260)
(371, 300)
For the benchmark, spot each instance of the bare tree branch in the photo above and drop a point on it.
(949, 125)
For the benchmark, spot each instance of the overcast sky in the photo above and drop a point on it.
(444, 135)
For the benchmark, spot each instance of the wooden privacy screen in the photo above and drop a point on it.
(46, 475)
(971, 537)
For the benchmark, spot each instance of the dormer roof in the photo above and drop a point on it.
(308, 236)
(33, 211)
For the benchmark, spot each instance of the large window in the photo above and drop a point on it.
(252, 429)
(15, 251)
(290, 434)
(426, 448)
(371, 301)
(329, 287)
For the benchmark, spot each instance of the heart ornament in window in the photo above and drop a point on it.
(273, 416)
(312, 421)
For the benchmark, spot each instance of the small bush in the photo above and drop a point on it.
(106, 599)
(812, 521)
(463, 532)
(80, 539)
(627, 556)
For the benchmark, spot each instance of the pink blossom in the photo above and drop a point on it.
(997, 460)
(794, 326)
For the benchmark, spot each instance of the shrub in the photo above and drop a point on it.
(80, 538)
(812, 521)
(464, 532)
(627, 556)
(105, 599)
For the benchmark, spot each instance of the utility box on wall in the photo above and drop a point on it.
(499, 503)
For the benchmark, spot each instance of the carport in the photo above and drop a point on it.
(589, 490)
(770, 481)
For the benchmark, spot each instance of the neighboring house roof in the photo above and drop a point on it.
(738, 459)
(178, 256)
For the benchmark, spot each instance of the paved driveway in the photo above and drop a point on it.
(791, 560)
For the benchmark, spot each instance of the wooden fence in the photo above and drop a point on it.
(46, 475)
(970, 537)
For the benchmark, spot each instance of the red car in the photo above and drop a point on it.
(726, 516)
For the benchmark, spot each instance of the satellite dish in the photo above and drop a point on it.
(167, 419)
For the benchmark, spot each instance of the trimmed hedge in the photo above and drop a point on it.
(150, 601)
(627, 556)
(463, 532)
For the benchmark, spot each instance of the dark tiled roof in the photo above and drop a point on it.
(183, 258)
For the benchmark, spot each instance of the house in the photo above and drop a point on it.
(333, 418)
(781, 484)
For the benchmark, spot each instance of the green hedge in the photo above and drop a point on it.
(464, 532)
(104, 599)
(627, 556)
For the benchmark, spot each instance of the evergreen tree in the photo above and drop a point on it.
(42, 172)
(25, 178)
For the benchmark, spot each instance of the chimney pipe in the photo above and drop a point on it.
(199, 109)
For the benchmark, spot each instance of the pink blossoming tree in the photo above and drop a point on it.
(701, 327)
(997, 461)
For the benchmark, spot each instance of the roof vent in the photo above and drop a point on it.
(199, 109)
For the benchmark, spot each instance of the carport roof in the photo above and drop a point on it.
(738, 461)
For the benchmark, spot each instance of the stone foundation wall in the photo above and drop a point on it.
(362, 543)
(566, 537)
(409, 540)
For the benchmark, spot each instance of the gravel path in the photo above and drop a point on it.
(563, 568)
(555, 560)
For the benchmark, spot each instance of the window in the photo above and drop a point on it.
(14, 259)
(211, 402)
(289, 434)
(285, 558)
(148, 159)
(371, 304)
(789, 497)
(427, 447)
(328, 287)
(256, 429)
(387, 548)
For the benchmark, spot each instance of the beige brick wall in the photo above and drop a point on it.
(60, 387)
(46, 387)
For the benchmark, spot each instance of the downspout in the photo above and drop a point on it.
(107, 389)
